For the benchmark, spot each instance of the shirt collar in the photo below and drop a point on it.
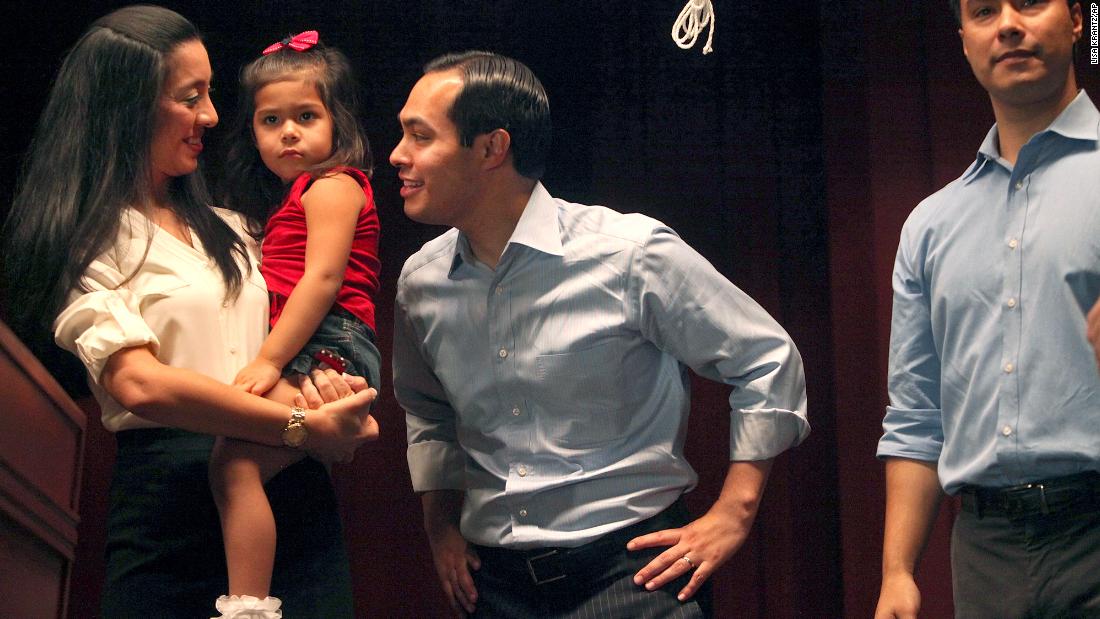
(537, 228)
(1079, 121)
(988, 153)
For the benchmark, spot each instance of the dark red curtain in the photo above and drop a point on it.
(789, 157)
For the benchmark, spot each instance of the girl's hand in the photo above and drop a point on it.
(258, 377)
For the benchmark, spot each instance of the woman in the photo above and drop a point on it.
(112, 240)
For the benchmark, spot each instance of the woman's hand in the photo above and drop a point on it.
(326, 385)
(338, 428)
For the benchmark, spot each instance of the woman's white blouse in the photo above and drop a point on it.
(172, 299)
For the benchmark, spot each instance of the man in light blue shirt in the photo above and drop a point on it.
(541, 351)
(994, 393)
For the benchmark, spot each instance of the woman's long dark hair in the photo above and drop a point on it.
(89, 160)
(251, 188)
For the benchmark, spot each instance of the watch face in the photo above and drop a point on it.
(295, 435)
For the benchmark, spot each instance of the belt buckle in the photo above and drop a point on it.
(1021, 500)
(535, 577)
(1043, 506)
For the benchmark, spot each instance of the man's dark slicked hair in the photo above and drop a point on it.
(500, 93)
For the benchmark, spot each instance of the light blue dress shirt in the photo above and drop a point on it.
(990, 371)
(553, 390)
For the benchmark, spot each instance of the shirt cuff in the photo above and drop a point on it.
(101, 323)
(915, 433)
(761, 434)
(437, 465)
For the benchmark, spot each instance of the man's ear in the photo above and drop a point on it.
(1078, 21)
(494, 147)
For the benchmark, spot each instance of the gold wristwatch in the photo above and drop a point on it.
(295, 432)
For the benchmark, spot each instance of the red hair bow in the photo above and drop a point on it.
(299, 42)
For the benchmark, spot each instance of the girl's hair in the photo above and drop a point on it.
(250, 187)
(89, 160)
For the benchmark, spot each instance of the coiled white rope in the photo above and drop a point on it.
(695, 16)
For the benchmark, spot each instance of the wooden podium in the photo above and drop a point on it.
(41, 440)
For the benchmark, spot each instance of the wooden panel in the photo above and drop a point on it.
(40, 459)
(33, 575)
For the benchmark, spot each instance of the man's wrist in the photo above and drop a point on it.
(894, 570)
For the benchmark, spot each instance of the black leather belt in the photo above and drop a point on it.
(1043, 497)
(544, 566)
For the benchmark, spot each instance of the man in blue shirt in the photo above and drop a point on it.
(994, 394)
(541, 352)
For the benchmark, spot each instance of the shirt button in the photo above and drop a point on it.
(499, 290)
(1013, 243)
(515, 411)
(1011, 303)
(1007, 430)
(502, 353)
(1009, 367)
(1019, 185)
(523, 513)
(232, 350)
(522, 470)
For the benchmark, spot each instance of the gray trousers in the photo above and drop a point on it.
(1039, 566)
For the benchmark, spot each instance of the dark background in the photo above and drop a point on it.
(789, 157)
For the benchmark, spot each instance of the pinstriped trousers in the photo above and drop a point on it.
(607, 593)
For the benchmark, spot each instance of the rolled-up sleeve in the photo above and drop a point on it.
(688, 309)
(913, 425)
(436, 461)
(103, 319)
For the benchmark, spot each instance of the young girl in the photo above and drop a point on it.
(297, 141)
